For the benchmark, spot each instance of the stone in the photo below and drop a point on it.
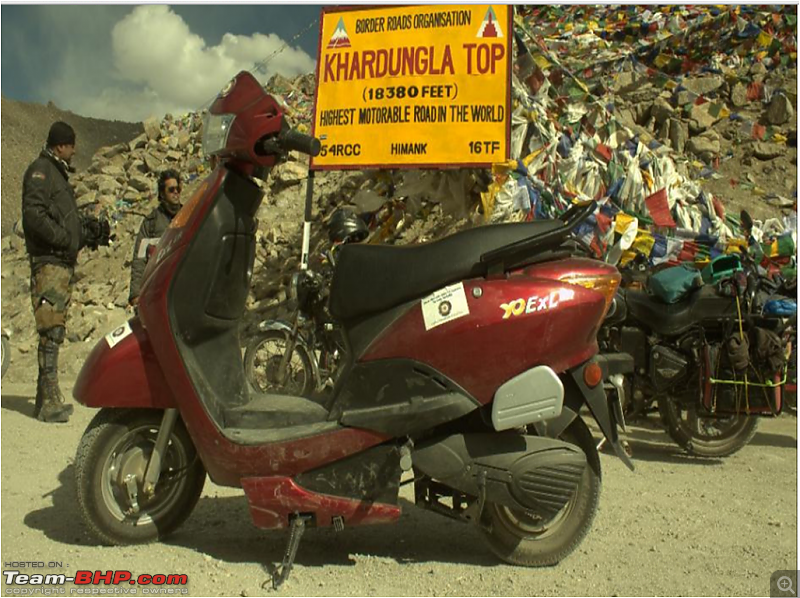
(152, 163)
(767, 151)
(111, 151)
(780, 110)
(182, 140)
(739, 95)
(661, 110)
(705, 147)
(137, 142)
(81, 189)
(87, 198)
(677, 134)
(192, 164)
(701, 119)
(757, 71)
(152, 128)
(135, 167)
(174, 155)
(684, 97)
(113, 170)
(703, 85)
(107, 184)
(140, 183)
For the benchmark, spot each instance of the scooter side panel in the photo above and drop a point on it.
(511, 326)
(273, 499)
(125, 375)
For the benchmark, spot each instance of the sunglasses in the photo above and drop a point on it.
(174, 189)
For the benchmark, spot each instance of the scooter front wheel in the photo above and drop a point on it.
(110, 465)
(524, 538)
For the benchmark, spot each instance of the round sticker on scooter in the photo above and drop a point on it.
(118, 334)
(445, 305)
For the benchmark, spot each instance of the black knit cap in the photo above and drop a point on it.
(60, 134)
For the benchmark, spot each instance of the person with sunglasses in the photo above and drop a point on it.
(153, 226)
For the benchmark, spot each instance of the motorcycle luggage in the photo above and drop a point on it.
(673, 284)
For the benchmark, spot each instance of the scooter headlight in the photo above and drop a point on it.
(216, 128)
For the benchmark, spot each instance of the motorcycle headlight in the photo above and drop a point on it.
(216, 128)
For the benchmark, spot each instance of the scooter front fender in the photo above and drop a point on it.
(122, 371)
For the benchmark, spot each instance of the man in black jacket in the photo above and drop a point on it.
(153, 226)
(54, 234)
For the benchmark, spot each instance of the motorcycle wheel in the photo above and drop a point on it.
(262, 358)
(706, 436)
(114, 451)
(523, 538)
(5, 356)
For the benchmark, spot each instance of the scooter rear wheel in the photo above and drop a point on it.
(110, 464)
(524, 538)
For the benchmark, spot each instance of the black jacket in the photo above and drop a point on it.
(50, 217)
(153, 226)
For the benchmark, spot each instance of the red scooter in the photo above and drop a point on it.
(469, 361)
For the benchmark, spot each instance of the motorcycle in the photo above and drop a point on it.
(305, 356)
(684, 361)
(468, 372)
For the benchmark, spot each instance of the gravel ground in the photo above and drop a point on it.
(677, 526)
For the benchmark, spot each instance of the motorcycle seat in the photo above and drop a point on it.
(675, 318)
(374, 278)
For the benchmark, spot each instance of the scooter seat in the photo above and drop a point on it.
(265, 411)
(373, 278)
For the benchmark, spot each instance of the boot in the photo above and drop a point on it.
(50, 403)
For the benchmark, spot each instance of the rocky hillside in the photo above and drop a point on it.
(24, 131)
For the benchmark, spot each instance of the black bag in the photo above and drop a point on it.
(767, 355)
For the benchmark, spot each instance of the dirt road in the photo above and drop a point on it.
(677, 526)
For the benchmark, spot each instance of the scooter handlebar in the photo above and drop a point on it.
(300, 142)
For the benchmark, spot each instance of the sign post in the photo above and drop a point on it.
(413, 87)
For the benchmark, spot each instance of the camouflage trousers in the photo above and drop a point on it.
(51, 292)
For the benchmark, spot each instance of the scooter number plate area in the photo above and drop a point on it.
(114, 337)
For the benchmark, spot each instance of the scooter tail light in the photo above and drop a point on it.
(605, 284)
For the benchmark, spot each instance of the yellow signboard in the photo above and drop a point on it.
(413, 87)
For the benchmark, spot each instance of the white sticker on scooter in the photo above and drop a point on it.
(449, 303)
(116, 335)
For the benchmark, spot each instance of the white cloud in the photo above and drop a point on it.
(160, 66)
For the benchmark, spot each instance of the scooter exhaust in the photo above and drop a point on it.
(532, 473)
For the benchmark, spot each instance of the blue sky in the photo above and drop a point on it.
(129, 62)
